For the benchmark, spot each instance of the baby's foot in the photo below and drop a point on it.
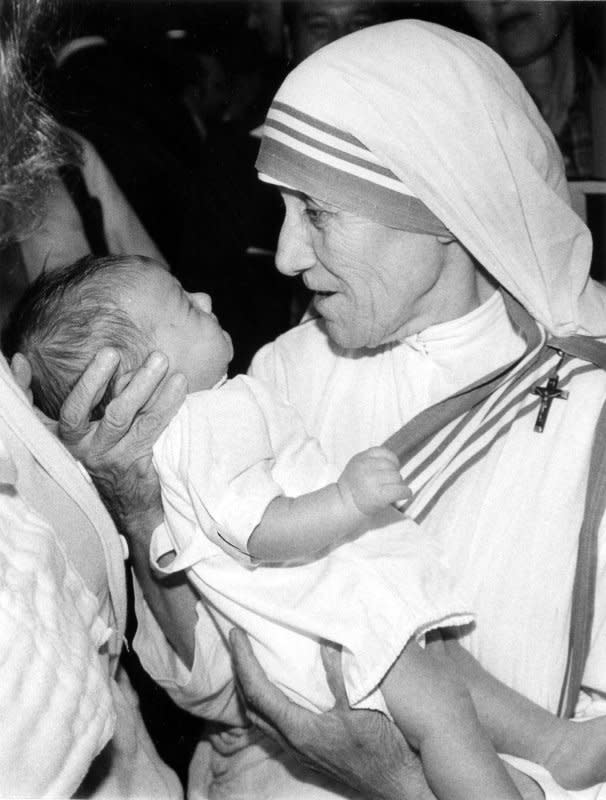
(578, 760)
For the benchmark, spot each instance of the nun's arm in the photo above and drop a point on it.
(362, 749)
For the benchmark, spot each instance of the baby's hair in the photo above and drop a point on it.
(65, 317)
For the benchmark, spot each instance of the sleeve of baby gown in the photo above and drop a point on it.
(258, 449)
(215, 466)
(56, 704)
(300, 465)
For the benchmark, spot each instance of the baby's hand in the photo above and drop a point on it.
(372, 479)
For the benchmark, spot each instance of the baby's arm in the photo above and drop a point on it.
(295, 528)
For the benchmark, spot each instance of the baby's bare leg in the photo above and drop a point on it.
(435, 712)
(575, 753)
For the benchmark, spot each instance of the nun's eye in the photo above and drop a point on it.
(317, 216)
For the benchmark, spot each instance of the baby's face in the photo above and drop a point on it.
(182, 325)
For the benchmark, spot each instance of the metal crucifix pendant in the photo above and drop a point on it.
(547, 394)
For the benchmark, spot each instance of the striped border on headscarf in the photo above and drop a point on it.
(309, 155)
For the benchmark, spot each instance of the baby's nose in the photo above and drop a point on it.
(203, 301)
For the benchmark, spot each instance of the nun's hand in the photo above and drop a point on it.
(362, 749)
(117, 449)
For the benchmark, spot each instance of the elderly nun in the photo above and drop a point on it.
(453, 316)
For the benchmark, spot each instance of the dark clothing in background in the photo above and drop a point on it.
(123, 104)
(234, 237)
(215, 223)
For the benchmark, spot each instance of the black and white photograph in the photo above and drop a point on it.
(303, 399)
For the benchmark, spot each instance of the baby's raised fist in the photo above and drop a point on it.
(373, 479)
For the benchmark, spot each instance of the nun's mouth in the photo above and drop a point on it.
(321, 301)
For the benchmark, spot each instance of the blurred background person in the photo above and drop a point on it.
(84, 212)
(541, 42)
(206, 91)
(311, 24)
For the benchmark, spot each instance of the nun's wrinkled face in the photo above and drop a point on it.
(372, 284)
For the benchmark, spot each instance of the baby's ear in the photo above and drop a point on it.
(22, 371)
(122, 382)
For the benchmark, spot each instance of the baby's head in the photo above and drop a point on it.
(129, 303)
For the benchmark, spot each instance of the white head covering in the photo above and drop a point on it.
(413, 108)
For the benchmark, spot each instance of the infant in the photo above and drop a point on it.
(279, 542)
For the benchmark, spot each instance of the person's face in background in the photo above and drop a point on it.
(313, 23)
(519, 30)
(210, 91)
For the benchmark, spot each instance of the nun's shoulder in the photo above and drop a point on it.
(297, 355)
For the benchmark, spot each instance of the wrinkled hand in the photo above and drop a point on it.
(362, 749)
(373, 481)
(117, 449)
